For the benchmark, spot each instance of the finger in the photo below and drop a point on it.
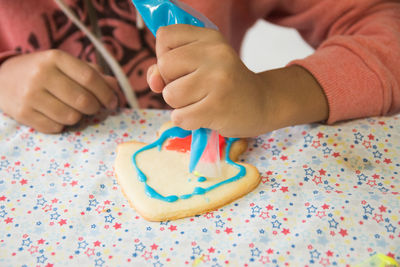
(72, 94)
(55, 110)
(88, 78)
(174, 36)
(154, 79)
(41, 123)
(180, 61)
(184, 91)
(95, 66)
(113, 83)
(191, 117)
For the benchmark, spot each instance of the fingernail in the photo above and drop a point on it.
(150, 72)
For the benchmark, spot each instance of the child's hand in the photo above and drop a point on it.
(51, 89)
(207, 84)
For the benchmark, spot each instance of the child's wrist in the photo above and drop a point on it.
(292, 97)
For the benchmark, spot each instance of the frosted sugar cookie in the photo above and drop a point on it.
(155, 177)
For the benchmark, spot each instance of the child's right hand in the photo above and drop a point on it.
(48, 90)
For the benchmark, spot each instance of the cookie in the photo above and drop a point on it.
(155, 177)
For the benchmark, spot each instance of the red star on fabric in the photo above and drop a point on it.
(322, 172)
(285, 231)
(3, 198)
(371, 137)
(382, 208)
(387, 161)
(154, 247)
(211, 250)
(23, 181)
(8, 220)
(62, 222)
(329, 253)
(270, 207)
(325, 206)
(97, 243)
(284, 158)
(320, 135)
(270, 251)
(343, 232)
(228, 230)
(336, 154)
(41, 241)
(284, 189)
(172, 228)
(117, 226)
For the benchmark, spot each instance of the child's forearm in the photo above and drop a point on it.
(292, 97)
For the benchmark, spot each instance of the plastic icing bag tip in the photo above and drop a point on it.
(205, 157)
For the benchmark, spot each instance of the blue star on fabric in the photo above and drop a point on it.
(362, 177)
(255, 252)
(276, 224)
(54, 166)
(78, 145)
(377, 154)
(54, 216)
(109, 218)
(275, 185)
(309, 172)
(275, 152)
(41, 259)
(4, 164)
(67, 178)
(358, 136)
(333, 223)
(17, 175)
(327, 151)
(311, 209)
(99, 262)
(140, 247)
(158, 264)
(93, 202)
(328, 188)
(219, 223)
(383, 189)
(197, 250)
(368, 209)
(102, 167)
(390, 228)
(308, 138)
(315, 254)
(26, 242)
(41, 201)
(3, 213)
(255, 209)
(82, 245)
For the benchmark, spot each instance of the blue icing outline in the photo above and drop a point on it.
(180, 133)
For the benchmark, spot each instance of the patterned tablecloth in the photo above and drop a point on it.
(329, 196)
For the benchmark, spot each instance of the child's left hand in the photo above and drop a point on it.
(205, 81)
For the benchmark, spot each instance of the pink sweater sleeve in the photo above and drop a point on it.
(357, 57)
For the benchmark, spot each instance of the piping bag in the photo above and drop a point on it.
(204, 150)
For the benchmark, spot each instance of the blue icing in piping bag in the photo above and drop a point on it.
(204, 152)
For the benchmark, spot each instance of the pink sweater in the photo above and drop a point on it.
(357, 42)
